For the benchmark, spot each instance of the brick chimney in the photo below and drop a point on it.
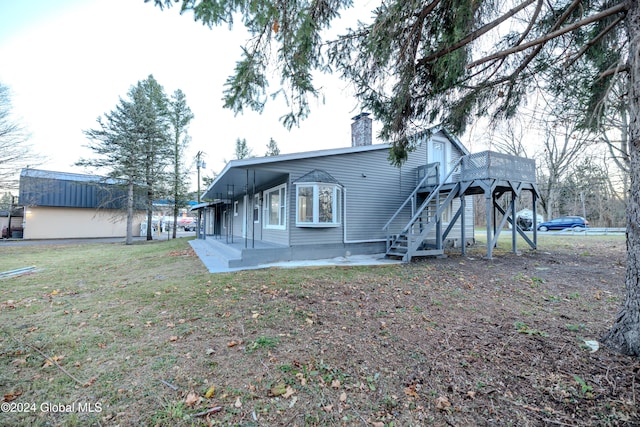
(361, 130)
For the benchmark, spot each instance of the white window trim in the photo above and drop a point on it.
(335, 208)
(282, 213)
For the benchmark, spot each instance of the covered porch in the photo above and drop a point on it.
(220, 257)
(220, 254)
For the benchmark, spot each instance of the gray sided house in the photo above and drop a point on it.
(60, 205)
(336, 202)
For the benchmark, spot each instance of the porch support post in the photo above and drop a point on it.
(246, 211)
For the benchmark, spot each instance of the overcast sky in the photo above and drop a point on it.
(69, 61)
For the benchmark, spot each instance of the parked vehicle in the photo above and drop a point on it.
(564, 222)
(187, 222)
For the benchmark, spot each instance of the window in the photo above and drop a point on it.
(235, 208)
(318, 205)
(275, 207)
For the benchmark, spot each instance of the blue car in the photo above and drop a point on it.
(564, 222)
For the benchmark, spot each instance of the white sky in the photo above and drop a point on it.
(67, 62)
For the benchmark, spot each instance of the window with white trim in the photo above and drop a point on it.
(318, 204)
(275, 204)
(235, 208)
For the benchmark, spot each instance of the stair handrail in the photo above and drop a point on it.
(412, 195)
(431, 196)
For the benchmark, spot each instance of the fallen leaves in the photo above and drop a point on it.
(8, 397)
(210, 392)
(20, 361)
(411, 390)
(442, 403)
(192, 399)
(278, 390)
(50, 361)
(8, 304)
(289, 391)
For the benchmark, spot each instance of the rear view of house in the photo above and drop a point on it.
(331, 203)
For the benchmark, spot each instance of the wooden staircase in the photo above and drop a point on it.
(426, 219)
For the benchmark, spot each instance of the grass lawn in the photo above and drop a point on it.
(107, 334)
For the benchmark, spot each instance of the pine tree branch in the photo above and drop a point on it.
(593, 41)
(614, 70)
(416, 29)
(532, 22)
(474, 35)
(622, 7)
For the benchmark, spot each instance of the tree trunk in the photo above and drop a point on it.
(150, 212)
(624, 336)
(129, 237)
(150, 220)
(175, 219)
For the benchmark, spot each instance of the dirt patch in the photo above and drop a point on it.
(455, 341)
(187, 252)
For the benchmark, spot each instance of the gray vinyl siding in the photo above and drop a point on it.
(372, 191)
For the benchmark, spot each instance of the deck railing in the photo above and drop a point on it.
(492, 165)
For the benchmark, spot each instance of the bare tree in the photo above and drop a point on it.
(15, 153)
(563, 145)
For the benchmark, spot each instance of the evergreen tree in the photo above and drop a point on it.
(272, 148)
(180, 116)
(131, 145)
(450, 61)
(154, 138)
(242, 150)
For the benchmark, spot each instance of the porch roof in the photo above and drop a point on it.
(236, 181)
(237, 174)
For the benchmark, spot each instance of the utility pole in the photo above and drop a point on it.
(200, 164)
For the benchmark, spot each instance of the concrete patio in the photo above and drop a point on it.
(223, 256)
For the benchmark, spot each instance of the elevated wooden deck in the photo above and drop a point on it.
(495, 175)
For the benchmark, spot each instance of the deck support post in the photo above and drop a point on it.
(463, 237)
(514, 225)
(489, 207)
(534, 196)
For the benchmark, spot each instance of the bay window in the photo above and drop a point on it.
(318, 204)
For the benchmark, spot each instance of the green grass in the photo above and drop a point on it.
(129, 323)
